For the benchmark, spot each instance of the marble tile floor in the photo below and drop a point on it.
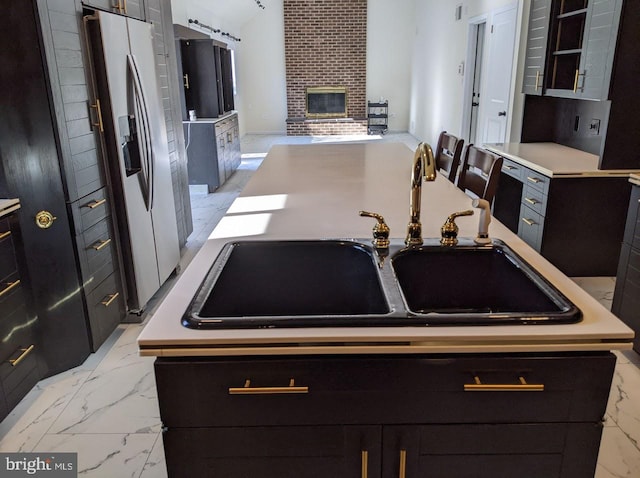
(106, 409)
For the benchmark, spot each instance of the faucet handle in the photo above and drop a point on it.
(380, 230)
(449, 230)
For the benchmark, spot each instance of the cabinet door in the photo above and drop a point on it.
(490, 450)
(598, 49)
(201, 87)
(227, 79)
(274, 452)
(536, 52)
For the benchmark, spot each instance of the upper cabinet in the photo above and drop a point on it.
(570, 48)
(130, 8)
(206, 68)
(536, 53)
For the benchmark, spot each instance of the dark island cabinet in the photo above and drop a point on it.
(626, 297)
(394, 416)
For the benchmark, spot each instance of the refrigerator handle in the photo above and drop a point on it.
(146, 133)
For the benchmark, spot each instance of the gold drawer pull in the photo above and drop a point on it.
(10, 285)
(402, 472)
(538, 76)
(24, 353)
(528, 222)
(100, 244)
(95, 204)
(534, 180)
(249, 390)
(509, 167)
(523, 386)
(531, 201)
(111, 298)
(5, 234)
(364, 468)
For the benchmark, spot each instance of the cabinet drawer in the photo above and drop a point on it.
(97, 252)
(106, 309)
(536, 180)
(11, 294)
(8, 264)
(90, 210)
(512, 168)
(13, 376)
(530, 227)
(534, 199)
(246, 392)
(17, 325)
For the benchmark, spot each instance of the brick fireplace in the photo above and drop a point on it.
(326, 47)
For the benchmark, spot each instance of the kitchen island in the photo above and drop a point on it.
(374, 401)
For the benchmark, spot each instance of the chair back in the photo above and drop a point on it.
(480, 173)
(448, 154)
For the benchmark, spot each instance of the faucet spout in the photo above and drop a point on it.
(424, 166)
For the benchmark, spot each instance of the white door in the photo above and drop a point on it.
(494, 109)
(476, 84)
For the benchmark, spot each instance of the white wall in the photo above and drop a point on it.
(390, 32)
(439, 47)
(414, 48)
(261, 74)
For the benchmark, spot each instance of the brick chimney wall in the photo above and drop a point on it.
(325, 45)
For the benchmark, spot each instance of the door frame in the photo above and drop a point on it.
(470, 71)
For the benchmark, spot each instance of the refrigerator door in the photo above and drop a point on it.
(148, 222)
(163, 213)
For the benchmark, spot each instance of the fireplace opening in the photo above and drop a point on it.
(326, 102)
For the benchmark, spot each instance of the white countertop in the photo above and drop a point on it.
(7, 206)
(316, 191)
(212, 120)
(552, 159)
(635, 179)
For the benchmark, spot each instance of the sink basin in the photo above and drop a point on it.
(477, 285)
(344, 283)
(288, 284)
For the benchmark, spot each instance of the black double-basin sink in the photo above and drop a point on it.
(347, 283)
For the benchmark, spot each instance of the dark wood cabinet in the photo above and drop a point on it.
(581, 240)
(199, 74)
(626, 297)
(19, 327)
(206, 68)
(426, 415)
(33, 170)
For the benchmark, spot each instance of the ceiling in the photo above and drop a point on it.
(235, 12)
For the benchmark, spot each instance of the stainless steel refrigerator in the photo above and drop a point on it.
(135, 139)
